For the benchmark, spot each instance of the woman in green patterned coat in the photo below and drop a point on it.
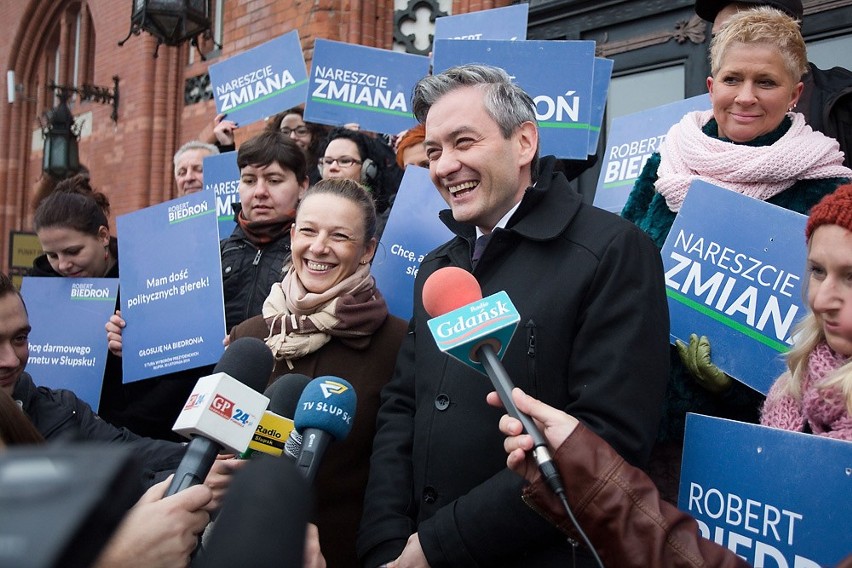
(752, 143)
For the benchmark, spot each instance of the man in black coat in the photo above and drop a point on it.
(593, 338)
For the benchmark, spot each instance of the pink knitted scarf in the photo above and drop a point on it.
(688, 154)
(823, 408)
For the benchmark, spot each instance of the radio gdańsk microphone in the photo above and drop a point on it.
(325, 413)
(476, 331)
(223, 410)
(275, 429)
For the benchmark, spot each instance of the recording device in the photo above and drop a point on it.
(263, 519)
(325, 413)
(476, 331)
(59, 505)
(275, 429)
(223, 410)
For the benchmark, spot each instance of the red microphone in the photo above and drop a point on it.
(448, 289)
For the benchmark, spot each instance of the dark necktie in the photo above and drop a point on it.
(479, 248)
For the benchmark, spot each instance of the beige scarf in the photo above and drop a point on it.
(761, 172)
(300, 322)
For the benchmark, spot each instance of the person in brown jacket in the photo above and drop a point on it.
(614, 502)
(326, 317)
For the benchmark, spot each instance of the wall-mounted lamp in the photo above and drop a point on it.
(172, 22)
(61, 155)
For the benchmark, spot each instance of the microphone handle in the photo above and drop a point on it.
(503, 385)
(195, 465)
(314, 444)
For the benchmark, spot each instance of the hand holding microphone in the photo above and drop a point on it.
(556, 426)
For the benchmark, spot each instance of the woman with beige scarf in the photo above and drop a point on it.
(326, 317)
(753, 143)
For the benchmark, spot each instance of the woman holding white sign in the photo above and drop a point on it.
(326, 317)
(752, 143)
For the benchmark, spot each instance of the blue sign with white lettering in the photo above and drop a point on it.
(413, 229)
(262, 81)
(222, 177)
(366, 85)
(71, 355)
(630, 142)
(558, 75)
(171, 287)
(734, 273)
(776, 498)
(509, 23)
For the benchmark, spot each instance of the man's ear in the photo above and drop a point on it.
(527, 138)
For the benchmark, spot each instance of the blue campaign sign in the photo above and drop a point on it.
(776, 498)
(413, 229)
(556, 74)
(71, 355)
(262, 81)
(508, 23)
(222, 177)
(630, 142)
(734, 269)
(366, 85)
(171, 287)
(600, 89)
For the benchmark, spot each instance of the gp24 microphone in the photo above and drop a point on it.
(223, 410)
(325, 413)
(476, 331)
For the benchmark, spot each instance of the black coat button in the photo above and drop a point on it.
(442, 402)
(430, 495)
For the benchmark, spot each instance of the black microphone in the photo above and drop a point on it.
(271, 436)
(325, 413)
(223, 410)
(263, 519)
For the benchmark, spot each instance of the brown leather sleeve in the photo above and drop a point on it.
(620, 510)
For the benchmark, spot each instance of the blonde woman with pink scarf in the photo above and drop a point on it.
(815, 394)
(753, 143)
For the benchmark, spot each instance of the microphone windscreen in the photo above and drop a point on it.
(448, 289)
(327, 404)
(263, 518)
(249, 360)
(285, 392)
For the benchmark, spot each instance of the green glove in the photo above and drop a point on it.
(696, 357)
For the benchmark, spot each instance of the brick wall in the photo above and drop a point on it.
(131, 160)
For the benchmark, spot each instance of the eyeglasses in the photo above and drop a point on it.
(344, 162)
(299, 131)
